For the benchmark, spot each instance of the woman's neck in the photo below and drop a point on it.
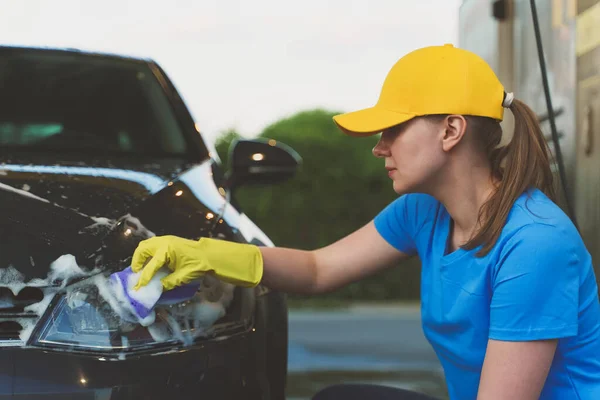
(463, 195)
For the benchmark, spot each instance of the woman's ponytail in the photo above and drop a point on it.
(521, 165)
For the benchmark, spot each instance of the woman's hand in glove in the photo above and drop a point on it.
(236, 263)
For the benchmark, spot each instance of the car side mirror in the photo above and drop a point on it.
(261, 161)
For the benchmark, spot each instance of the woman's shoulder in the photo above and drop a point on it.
(535, 208)
(410, 211)
(419, 206)
(536, 220)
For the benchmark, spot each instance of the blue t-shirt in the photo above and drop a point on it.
(536, 283)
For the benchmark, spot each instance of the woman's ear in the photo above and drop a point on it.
(454, 127)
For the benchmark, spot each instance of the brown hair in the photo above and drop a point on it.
(526, 166)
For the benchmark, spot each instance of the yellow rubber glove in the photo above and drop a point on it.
(236, 263)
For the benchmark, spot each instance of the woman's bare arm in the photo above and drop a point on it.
(350, 259)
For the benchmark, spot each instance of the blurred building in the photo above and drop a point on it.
(501, 31)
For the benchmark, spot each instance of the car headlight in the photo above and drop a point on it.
(83, 318)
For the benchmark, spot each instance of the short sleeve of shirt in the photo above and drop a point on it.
(535, 287)
(398, 223)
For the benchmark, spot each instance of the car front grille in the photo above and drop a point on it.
(11, 304)
(10, 330)
(13, 315)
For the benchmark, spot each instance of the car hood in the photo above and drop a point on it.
(106, 188)
(126, 203)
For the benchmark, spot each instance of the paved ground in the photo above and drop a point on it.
(382, 345)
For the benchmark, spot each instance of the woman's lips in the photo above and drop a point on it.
(391, 172)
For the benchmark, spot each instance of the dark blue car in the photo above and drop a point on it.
(99, 152)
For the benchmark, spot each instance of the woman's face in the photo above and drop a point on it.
(413, 154)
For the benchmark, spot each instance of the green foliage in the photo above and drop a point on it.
(223, 143)
(340, 187)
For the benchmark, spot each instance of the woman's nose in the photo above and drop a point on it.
(380, 150)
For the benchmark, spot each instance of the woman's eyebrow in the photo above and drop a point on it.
(393, 131)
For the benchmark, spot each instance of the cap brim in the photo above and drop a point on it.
(369, 121)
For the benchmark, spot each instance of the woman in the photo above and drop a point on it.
(509, 297)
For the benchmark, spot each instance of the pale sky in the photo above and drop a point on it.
(245, 64)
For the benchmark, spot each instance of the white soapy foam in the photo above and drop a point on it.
(22, 192)
(28, 324)
(64, 268)
(37, 282)
(159, 332)
(177, 329)
(113, 295)
(183, 321)
(148, 320)
(205, 314)
(103, 221)
(12, 279)
(40, 308)
(201, 312)
(123, 306)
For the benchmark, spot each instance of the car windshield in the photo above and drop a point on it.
(65, 101)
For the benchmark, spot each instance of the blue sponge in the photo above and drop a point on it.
(141, 302)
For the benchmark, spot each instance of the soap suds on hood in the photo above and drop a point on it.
(40, 308)
(102, 221)
(62, 270)
(28, 324)
(12, 279)
(65, 268)
(22, 192)
(184, 321)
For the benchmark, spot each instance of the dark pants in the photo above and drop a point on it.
(367, 392)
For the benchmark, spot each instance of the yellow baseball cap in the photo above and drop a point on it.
(430, 80)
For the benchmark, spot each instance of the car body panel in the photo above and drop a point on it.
(183, 375)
